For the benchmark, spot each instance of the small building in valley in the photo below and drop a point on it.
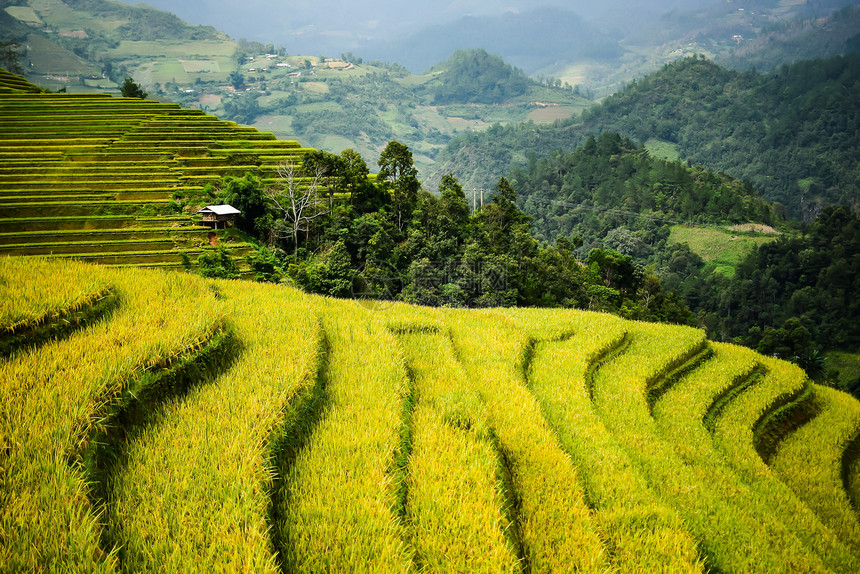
(218, 214)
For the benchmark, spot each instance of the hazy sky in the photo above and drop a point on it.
(335, 26)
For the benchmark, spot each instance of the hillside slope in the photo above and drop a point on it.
(610, 187)
(117, 180)
(327, 103)
(95, 43)
(799, 39)
(201, 425)
(792, 134)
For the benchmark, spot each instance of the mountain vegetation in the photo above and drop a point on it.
(610, 183)
(793, 297)
(791, 134)
(332, 106)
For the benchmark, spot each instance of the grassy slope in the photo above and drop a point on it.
(722, 248)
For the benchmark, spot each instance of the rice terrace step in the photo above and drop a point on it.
(394, 436)
(87, 165)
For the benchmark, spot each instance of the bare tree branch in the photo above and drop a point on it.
(297, 200)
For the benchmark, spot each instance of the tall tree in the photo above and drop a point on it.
(332, 168)
(130, 89)
(355, 172)
(246, 195)
(236, 79)
(454, 208)
(399, 175)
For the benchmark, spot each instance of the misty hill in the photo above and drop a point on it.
(792, 134)
(564, 37)
(474, 76)
(333, 27)
(799, 39)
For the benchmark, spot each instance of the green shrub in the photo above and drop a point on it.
(218, 264)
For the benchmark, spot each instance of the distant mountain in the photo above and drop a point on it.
(332, 27)
(725, 23)
(793, 134)
(799, 39)
(529, 40)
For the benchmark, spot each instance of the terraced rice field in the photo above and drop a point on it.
(71, 164)
(181, 424)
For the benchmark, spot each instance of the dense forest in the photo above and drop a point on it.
(792, 134)
(391, 239)
(794, 297)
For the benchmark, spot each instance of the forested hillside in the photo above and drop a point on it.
(793, 297)
(792, 134)
(474, 76)
(610, 187)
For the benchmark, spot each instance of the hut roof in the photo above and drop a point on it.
(220, 210)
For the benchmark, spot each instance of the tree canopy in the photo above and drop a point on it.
(130, 89)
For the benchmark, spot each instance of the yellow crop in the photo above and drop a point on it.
(447, 511)
(209, 453)
(64, 289)
(641, 533)
(810, 462)
(732, 513)
(55, 396)
(734, 430)
(556, 529)
(227, 426)
(338, 495)
(853, 481)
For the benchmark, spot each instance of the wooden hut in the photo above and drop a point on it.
(216, 214)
